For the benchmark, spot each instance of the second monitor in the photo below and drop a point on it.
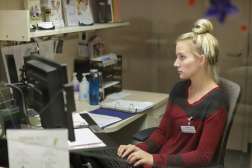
(50, 95)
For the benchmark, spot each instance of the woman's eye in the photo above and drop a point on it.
(181, 57)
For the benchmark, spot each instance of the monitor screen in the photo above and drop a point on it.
(50, 95)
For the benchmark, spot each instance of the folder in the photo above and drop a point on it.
(108, 112)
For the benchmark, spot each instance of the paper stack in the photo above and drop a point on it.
(85, 138)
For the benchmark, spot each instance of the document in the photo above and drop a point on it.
(131, 106)
(85, 138)
(78, 121)
(104, 120)
(116, 96)
(38, 148)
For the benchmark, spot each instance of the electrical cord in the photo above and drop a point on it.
(16, 87)
(2, 128)
(40, 93)
(13, 86)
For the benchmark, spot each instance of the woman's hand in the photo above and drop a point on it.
(125, 150)
(140, 157)
(135, 155)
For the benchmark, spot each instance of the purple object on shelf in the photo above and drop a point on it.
(220, 9)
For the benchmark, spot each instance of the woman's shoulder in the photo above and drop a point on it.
(218, 99)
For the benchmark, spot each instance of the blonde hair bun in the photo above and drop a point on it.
(202, 26)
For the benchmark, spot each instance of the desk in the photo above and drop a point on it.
(126, 128)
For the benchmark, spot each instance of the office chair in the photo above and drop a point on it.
(232, 90)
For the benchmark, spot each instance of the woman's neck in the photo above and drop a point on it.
(202, 84)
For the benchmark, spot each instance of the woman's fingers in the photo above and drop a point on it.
(125, 150)
(121, 150)
(133, 157)
(139, 162)
(140, 157)
(129, 150)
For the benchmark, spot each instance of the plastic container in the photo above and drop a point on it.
(84, 88)
(75, 82)
(94, 87)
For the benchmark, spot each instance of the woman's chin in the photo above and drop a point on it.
(182, 77)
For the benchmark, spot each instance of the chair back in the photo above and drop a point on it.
(232, 91)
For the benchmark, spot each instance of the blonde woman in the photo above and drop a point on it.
(192, 126)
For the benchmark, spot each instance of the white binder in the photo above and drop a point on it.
(128, 105)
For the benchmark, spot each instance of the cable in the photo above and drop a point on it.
(2, 128)
(13, 86)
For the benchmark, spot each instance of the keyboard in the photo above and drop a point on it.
(107, 157)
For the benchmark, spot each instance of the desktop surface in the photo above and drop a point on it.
(158, 99)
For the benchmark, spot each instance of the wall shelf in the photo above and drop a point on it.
(73, 29)
(15, 27)
(110, 84)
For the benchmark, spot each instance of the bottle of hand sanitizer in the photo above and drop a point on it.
(76, 83)
(84, 88)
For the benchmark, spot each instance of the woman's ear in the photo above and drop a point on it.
(202, 59)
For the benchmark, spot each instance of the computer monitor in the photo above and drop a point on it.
(51, 96)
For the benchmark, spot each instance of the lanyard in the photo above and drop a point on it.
(189, 120)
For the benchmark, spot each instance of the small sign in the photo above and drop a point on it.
(29, 148)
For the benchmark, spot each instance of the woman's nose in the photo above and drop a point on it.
(176, 63)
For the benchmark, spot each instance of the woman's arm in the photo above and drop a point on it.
(141, 153)
(160, 135)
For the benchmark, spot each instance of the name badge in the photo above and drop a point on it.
(188, 129)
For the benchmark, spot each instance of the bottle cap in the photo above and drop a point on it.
(84, 74)
(93, 70)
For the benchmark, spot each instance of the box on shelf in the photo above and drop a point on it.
(102, 11)
(116, 11)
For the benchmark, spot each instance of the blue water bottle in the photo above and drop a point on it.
(94, 87)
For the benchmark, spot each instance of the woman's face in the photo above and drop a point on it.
(187, 63)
